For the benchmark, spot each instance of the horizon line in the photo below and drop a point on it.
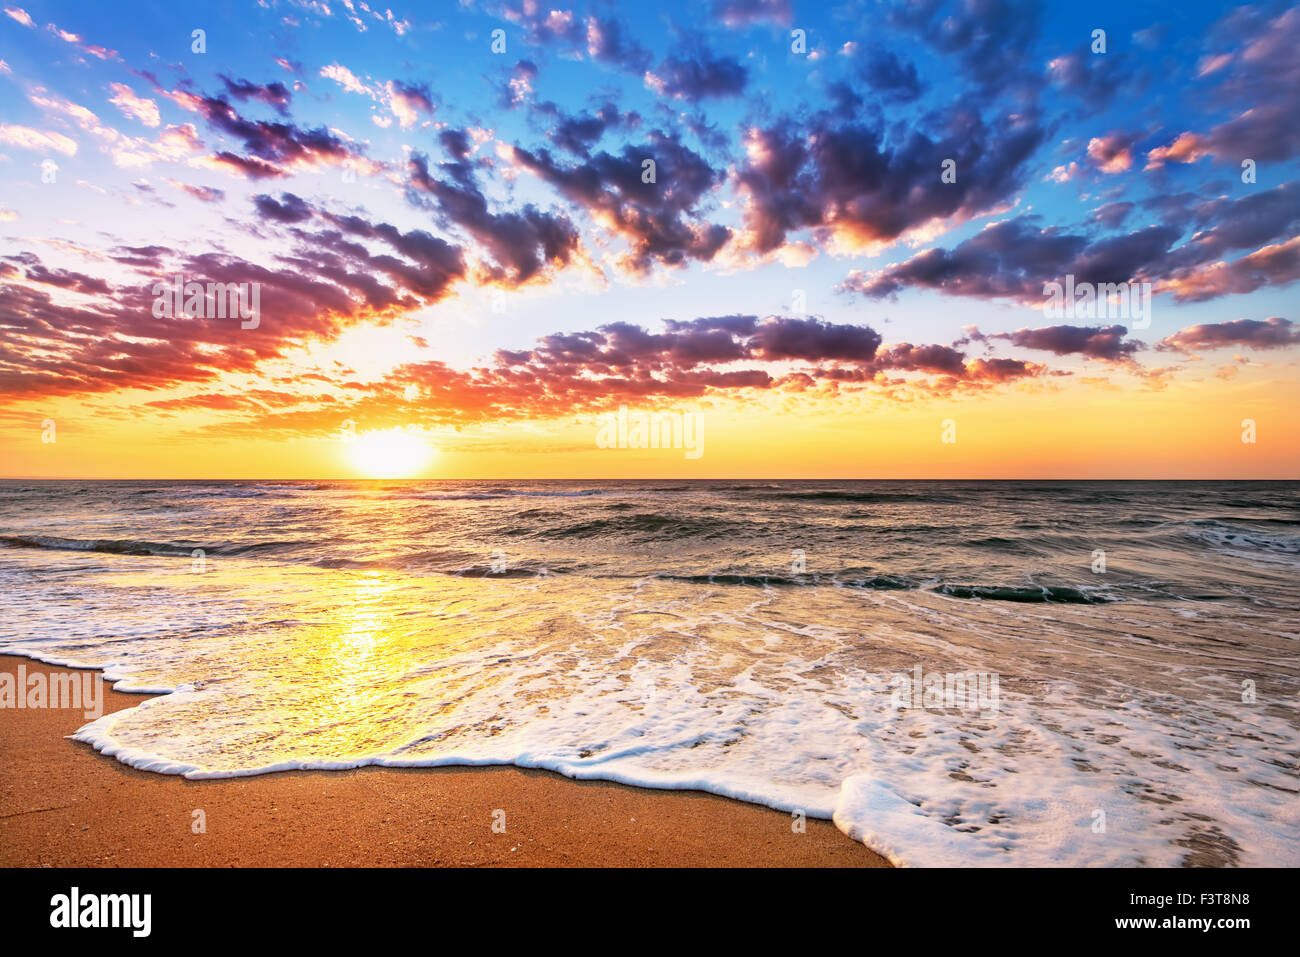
(649, 478)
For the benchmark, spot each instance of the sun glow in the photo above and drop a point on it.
(389, 453)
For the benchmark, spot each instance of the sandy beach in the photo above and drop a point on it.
(64, 805)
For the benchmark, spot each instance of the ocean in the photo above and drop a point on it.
(956, 673)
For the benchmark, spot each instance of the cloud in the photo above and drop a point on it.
(890, 76)
(22, 16)
(275, 95)
(136, 107)
(1277, 264)
(174, 143)
(1064, 173)
(407, 101)
(425, 269)
(1112, 215)
(629, 354)
(1272, 333)
(1014, 258)
(936, 359)
(660, 221)
(988, 38)
(245, 166)
(62, 278)
(519, 86)
(572, 373)
(1230, 224)
(254, 400)
(1094, 342)
(607, 41)
(567, 374)
(66, 36)
(814, 340)
(344, 78)
(1092, 79)
(698, 77)
(114, 342)
(856, 186)
(517, 246)
(735, 13)
(544, 24)
(1112, 153)
(278, 149)
(39, 141)
(578, 133)
(1260, 87)
(1267, 133)
(1002, 370)
(292, 210)
(207, 194)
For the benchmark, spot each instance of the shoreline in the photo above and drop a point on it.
(63, 804)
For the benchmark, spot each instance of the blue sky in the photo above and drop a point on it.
(798, 149)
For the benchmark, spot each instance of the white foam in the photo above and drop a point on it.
(731, 691)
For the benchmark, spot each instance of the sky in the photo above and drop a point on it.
(823, 235)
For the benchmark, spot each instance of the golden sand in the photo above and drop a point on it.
(65, 805)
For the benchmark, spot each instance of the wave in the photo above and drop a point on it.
(450, 563)
(128, 546)
(255, 490)
(1257, 503)
(500, 493)
(762, 580)
(1058, 594)
(457, 496)
(651, 523)
(837, 496)
(728, 578)
(523, 570)
(238, 492)
(136, 546)
(1226, 537)
(997, 543)
(544, 493)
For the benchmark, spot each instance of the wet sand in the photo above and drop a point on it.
(63, 804)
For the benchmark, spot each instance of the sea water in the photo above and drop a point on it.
(742, 638)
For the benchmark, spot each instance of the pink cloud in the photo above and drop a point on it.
(21, 15)
(1111, 154)
(40, 141)
(136, 107)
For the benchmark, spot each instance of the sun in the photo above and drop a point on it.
(389, 453)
